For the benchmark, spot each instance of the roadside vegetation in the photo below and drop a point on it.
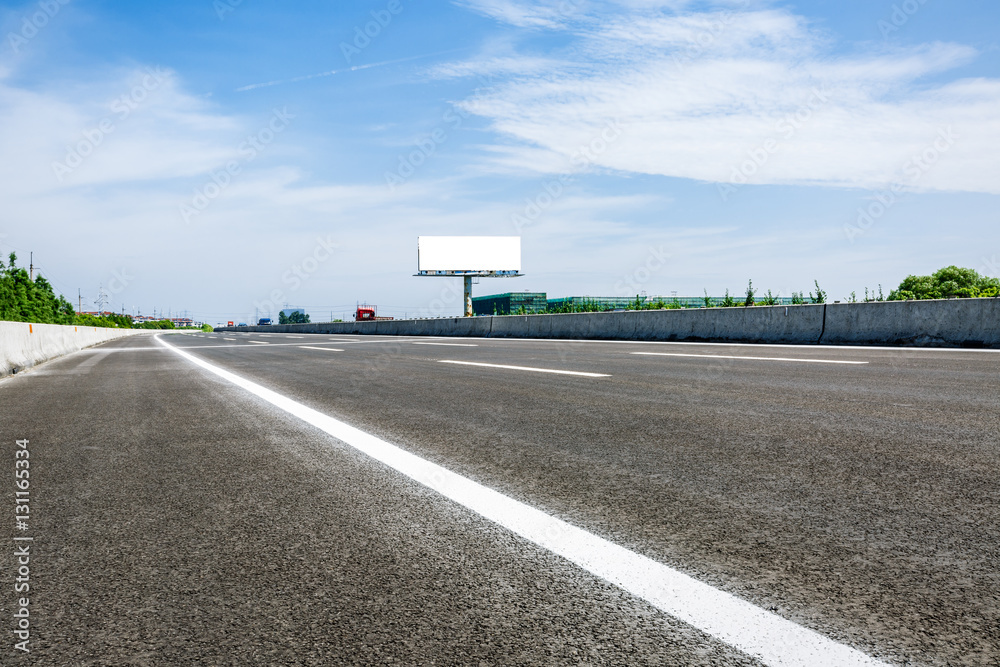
(25, 300)
(948, 283)
(294, 317)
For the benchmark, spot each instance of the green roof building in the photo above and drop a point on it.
(510, 303)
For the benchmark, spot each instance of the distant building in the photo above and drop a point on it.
(178, 321)
(601, 302)
(509, 303)
(512, 303)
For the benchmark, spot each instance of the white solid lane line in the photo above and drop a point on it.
(524, 368)
(228, 339)
(747, 628)
(325, 349)
(722, 356)
(450, 344)
(241, 345)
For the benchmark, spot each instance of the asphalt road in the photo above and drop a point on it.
(179, 519)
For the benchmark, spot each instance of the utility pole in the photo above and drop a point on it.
(31, 266)
(101, 300)
(79, 300)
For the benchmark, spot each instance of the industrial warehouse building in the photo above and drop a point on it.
(512, 303)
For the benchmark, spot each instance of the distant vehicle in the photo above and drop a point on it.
(242, 324)
(264, 321)
(366, 313)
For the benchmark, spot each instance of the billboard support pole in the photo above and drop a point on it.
(469, 257)
(468, 296)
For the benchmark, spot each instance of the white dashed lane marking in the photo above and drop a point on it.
(723, 356)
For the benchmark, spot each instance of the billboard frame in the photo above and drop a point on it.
(469, 274)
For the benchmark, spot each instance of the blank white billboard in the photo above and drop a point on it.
(469, 254)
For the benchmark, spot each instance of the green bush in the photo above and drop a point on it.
(294, 317)
(947, 283)
(819, 296)
(156, 324)
(751, 292)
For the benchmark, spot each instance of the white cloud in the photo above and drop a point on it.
(700, 94)
(541, 14)
(132, 126)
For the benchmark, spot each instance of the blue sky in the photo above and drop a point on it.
(638, 145)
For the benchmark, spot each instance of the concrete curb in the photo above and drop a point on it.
(23, 344)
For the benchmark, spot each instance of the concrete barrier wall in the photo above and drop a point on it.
(791, 324)
(24, 345)
(951, 323)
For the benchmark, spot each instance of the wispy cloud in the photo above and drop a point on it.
(699, 92)
(334, 72)
(128, 126)
(541, 14)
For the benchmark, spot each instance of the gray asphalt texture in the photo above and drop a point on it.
(180, 520)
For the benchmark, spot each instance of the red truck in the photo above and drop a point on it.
(366, 313)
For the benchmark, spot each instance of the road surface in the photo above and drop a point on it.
(209, 499)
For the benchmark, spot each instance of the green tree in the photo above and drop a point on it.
(295, 317)
(947, 283)
(25, 300)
